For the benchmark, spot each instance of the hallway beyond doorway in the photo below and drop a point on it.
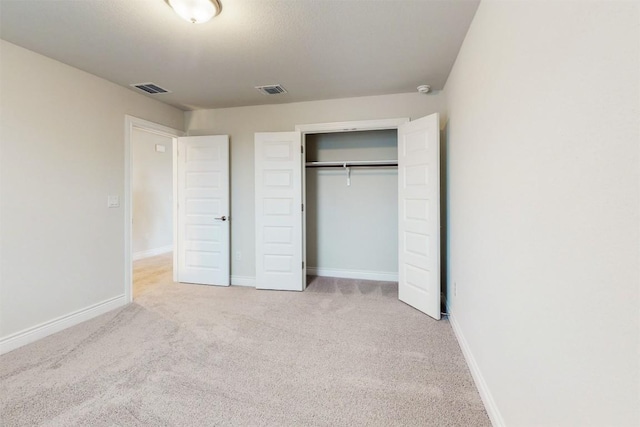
(149, 272)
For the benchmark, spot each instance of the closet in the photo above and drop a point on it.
(351, 204)
(342, 175)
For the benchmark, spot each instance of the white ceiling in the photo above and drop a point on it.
(316, 49)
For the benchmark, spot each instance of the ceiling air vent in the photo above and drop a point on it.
(150, 88)
(271, 89)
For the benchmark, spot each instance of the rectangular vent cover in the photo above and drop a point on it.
(150, 88)
(271, 89)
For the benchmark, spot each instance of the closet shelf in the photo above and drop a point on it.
(351, 163)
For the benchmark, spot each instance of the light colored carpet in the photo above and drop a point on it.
(341, 353)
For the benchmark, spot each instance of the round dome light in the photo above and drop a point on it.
(196, 11)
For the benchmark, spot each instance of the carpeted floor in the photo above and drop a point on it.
(342, 353)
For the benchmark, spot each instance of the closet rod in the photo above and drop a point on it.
(351, 163)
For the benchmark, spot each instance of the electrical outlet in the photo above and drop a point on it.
(238, 255)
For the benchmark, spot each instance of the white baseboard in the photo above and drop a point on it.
(353, 274)
(487, 398)
(45, 329)
(151, 252)
(243, 281)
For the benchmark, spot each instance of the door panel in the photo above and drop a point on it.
(419, 214)
(278, 192)
(203, 210)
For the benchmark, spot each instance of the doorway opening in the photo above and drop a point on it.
(418, 206)
(351, 206)
(150, 208)
(368, 151)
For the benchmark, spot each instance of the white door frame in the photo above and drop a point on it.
(352, 126)
(131, 123)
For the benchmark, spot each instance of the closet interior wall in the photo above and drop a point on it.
(352, 230)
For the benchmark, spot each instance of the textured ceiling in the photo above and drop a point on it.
(316, 49)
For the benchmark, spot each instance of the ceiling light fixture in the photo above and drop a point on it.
(196, 11)
(424, 89)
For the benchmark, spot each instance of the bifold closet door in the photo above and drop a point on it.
(203, 210)
(419, 214)
(278, 198)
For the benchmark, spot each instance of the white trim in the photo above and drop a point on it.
(487, 398)
(45, 329)
(247, 281)
(131, 123)
(151, 252)
(353, 274)
(353, 126)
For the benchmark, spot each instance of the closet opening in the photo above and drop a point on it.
(350, 217)
(364, 219)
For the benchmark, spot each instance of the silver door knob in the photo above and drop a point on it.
(222, 218)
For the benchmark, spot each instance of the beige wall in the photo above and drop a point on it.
(62, 145)
(152, 192)
(241, 123)
(543, 106)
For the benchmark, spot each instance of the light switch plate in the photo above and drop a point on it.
(160, 148)
(113, 201)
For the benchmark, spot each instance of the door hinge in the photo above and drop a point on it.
(303, 265)
(302, 148)
(302, 205)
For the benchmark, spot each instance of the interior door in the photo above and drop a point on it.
(419, 214)
(278, 192)
(203, 210)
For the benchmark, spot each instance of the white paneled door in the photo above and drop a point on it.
(278, 193)
(203, 210)
(419, 214)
